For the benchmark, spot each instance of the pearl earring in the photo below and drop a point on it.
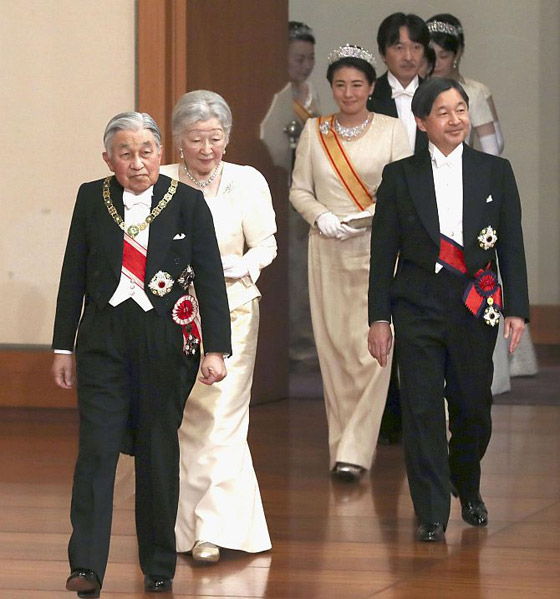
(181, 153)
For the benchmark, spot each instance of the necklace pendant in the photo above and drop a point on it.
(132, 231)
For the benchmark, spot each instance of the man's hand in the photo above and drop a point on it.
(380, 341)
(62, 370)
(213, 369)
(513, 330)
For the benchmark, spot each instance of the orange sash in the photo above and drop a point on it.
(341, 163)
(301, 112)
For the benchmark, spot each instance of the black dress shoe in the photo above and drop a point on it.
(434, 531)
(157, 584)
(350, 473)
(474, 512)
(85, 582)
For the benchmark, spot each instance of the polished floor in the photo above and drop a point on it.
(330, 539)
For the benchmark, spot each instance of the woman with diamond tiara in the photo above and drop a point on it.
(339, 162)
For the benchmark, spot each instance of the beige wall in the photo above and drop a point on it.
(514, 47)
(67, 66)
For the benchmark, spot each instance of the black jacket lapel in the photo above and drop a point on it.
(422, 191)
(111, 233)
(476, 186)
(162, 229)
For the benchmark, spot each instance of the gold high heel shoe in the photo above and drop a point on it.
(206, 552)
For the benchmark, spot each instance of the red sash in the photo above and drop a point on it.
(483, 290)
(134, 261)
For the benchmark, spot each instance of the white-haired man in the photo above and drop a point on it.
(136, 241)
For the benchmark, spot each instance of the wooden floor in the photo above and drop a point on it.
(330, 539)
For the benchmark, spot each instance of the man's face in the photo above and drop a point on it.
(447, 125)
(404, 58)
(134, 157)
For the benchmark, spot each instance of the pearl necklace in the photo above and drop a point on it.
(351, 132)
(203, 184)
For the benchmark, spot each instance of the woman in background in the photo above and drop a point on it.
(446, 42)
(339, 162)
(301, 60)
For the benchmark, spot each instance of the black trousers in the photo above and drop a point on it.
(133, 381)
(443, 351)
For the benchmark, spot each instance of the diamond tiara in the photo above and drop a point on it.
(295, 31)
(351, 51)
(441, 27)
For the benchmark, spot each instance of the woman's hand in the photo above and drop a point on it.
(234, 267)
(346, 232)
(328, 224)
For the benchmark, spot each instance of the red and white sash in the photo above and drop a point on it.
(134, 261)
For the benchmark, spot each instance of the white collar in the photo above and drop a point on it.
(396, 84)
(439, 159)
(145, 197)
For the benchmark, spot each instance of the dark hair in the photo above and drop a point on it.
(449, 40)
(429, 90)
(300, 31)
(389, 30)
(357, 63)
(454, 22)
(430, 56)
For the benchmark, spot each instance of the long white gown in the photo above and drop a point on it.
(219, 497)
(355, 386)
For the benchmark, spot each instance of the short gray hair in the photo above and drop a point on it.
(200, 105)
(130, 121)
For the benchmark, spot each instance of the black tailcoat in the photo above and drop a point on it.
(443, 350)
(132, 374)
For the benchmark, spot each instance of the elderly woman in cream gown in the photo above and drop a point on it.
(339, 210)
(219, 501)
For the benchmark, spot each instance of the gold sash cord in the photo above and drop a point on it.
(342, 164)
(301, 112)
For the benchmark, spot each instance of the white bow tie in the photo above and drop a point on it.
(397, 93)
(130, 200)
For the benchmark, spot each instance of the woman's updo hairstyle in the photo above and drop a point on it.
(446, 31)
(298, 31)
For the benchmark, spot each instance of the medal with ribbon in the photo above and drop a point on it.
(483, 295)
(184, 314)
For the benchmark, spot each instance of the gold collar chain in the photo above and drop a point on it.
(133, 230)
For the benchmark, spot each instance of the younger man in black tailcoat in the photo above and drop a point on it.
(449, 214)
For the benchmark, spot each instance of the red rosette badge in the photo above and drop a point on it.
(484, 294)
(184, 314)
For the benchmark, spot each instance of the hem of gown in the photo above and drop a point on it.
(230, 546)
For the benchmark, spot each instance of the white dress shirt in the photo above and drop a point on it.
(403, 101)
(448, 183)
(136, 209)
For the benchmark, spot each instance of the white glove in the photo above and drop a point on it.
(328, 224)
(234, 267)
(345, 232)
